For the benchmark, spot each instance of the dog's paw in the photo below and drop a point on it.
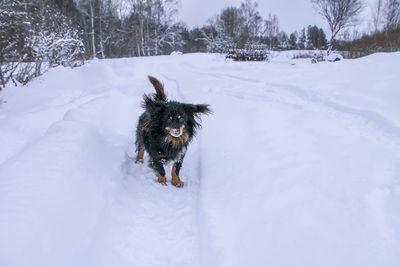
(177, 183)
(161, 179)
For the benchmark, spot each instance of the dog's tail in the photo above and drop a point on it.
(160, 95)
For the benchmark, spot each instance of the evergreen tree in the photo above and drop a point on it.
(322, 41)
(293, 40)
(302, 39)
(316, 38)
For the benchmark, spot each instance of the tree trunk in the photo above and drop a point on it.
(142, 37)
(101, 40)
(2, 77)
(2, 80)
(137, 43)
(92, 26)
(101, 31)
(38, 67)
(328, 51)
(330, 45)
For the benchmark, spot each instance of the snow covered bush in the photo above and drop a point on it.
(250, 53)
(317, 56)
(176, 53)
(247, 55)
(332, 57)
(55, 41)
(35, 35)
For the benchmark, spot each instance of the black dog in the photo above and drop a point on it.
(165, 130)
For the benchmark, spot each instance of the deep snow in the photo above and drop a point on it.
(298, 166)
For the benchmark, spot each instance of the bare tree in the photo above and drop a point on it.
(252, 18)
(271, 30)
(339, 14)
(392, 14)
(377, 14)
(230, 21)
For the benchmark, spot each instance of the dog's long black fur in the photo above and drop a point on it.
(165, 130)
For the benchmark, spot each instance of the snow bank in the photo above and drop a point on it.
(54, 196)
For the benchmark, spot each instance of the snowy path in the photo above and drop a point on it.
(298, 166)
(157, 223)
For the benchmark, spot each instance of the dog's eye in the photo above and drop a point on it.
(170, 117)
(179, 116)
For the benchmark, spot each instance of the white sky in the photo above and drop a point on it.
(293, 15)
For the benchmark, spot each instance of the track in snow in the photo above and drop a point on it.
(159, 223)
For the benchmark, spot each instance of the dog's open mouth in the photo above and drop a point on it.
(175, 132)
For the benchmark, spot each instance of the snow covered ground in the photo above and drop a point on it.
(298, 166)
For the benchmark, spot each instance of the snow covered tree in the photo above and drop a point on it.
(167, 32)
(54, 41)
(195, 40)
(219, 43)
(35, 35)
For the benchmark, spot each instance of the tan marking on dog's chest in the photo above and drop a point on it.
(177, 140)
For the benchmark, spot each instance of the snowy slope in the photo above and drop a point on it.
(298, 166)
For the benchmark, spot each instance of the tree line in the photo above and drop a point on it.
(38, 34)
(387, 40)
(242, 26)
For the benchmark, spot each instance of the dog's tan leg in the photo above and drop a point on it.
(176, 181)
(161, 179)
(140, 155)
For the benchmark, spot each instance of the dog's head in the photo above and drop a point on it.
(176, 121)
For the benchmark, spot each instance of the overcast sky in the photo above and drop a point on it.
(292, 14)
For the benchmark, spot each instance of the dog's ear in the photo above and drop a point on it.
(198, 109)
(202, 108)
(194, 112)
(151, 105)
